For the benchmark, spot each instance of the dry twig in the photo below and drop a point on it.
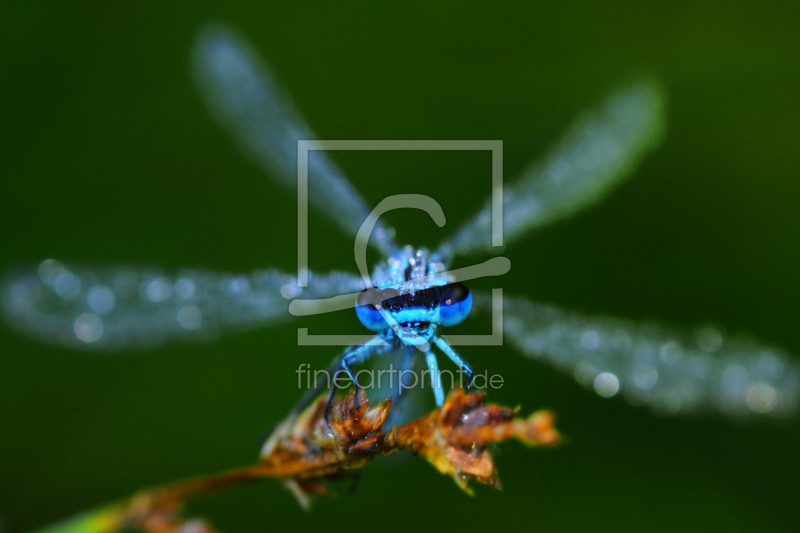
(304, 451)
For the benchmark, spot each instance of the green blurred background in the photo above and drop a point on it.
(108, 156)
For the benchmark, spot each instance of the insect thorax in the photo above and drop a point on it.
(408, 270)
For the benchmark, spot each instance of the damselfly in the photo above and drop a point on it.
(122, 307)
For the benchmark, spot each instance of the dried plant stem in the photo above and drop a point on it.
(305, 450)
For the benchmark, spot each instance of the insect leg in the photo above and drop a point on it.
(345, 364)
(351, 356)
(436, 379)
(451, 353)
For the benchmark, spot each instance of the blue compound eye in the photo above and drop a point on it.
(366, 309)
(455, 303)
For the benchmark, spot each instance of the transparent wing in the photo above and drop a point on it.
(245, 99)
(117, 307)
(600, 149)
(650, 365)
